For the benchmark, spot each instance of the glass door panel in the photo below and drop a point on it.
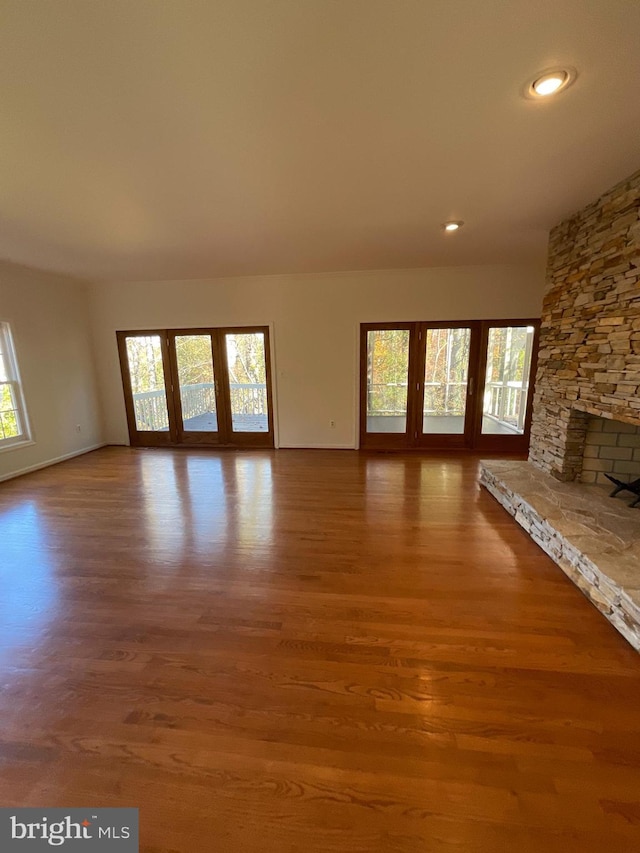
(198, 386)
(461, 384)
(247, 382)
(387, 380)
(194, 361)
(446, 376)
(506, 388)
(146, 372)
(146, 376)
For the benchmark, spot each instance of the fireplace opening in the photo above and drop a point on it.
(612, 457)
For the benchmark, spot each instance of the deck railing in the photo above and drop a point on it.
(151, 406)
(445, 398)
(197, 399)
(440, 398)
(151, 411)
(249, 398)
(504, 401)
(387, 399)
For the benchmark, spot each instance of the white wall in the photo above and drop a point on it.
(315, 326)
(51, 332)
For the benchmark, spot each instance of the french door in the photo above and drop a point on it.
(447, 385)
(198, 386)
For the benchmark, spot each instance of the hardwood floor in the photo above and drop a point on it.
(307, 651)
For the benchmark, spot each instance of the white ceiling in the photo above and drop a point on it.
(158, 139)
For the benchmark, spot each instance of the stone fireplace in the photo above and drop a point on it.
(589, 359)
(586, 412)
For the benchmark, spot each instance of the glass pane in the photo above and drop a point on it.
(387, 377)
(507, 380)
(247, 382)
(445, 381)
(197, 386)
(144, 354)
(4, 371)
(9, 416)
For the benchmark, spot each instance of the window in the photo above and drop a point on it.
(14, 426)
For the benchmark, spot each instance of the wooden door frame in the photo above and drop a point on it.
(385, 440)
(505, 443)
(441, 441)
(472, 438)
(175, 436)
(248, 439)
(189, 437)
(147, 438)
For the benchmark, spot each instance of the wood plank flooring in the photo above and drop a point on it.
(307, 651)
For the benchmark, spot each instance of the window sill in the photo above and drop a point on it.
(15, 444)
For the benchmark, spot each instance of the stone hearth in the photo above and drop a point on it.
(594, 539)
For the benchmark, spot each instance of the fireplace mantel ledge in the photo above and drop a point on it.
(594, 539)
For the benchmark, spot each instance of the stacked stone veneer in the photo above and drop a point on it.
(589, 358)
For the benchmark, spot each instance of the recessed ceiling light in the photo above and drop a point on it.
(452, 226)
(550, 82)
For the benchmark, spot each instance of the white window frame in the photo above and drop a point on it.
(10, 363)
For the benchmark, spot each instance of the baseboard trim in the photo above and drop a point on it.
(317, 447)
(50, 462)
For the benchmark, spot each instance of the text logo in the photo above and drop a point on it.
(32, 830)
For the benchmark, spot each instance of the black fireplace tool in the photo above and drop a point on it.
(633, 487)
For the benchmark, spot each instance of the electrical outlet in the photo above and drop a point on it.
(332, 424)
(78, 428)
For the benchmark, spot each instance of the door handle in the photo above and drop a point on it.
(471, 383)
